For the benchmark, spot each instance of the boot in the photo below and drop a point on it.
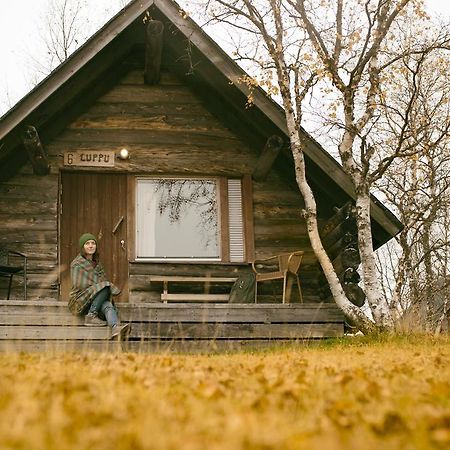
(118, 331)
(92, 320)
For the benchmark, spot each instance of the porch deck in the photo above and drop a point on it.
(48, 325)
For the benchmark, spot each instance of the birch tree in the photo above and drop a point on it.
(420, 191)
(415, 265)
(344, 50)
(64, 26)
(417, 114)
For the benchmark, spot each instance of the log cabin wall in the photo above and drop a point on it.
(28, 224)
(168, 131)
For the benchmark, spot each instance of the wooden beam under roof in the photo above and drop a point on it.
(153, 51)
(36, 152)
(267, 158)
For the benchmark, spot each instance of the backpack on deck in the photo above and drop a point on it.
(243, 290)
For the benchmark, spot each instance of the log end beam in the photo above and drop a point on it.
(268, 155)
(153, 52)
(340, 240)
(36, 152)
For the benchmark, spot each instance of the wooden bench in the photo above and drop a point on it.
(205, 297)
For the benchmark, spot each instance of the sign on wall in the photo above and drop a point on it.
(89, 158)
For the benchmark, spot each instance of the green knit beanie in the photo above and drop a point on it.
(86, 237)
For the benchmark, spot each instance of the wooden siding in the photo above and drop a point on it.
(168, 131)
(28, 223)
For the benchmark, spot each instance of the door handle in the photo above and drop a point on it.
(122, 244)
(117, 225)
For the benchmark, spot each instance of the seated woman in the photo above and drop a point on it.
(91, 293)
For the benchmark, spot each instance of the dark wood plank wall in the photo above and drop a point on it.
(28, 223)
(167, 130)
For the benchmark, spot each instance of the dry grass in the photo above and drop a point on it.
(376, 395)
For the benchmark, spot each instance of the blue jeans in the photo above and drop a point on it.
(102, 307)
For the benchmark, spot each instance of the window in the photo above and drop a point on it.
(189, 219)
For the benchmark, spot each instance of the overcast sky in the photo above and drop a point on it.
(20, 23)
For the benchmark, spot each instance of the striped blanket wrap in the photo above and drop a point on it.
(87, 281)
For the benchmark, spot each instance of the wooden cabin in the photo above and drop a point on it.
(144, 137)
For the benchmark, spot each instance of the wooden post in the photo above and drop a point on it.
(36, 152)
(153, 52)
(267, 158)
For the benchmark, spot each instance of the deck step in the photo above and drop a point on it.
(42, 318)
(51, 323)
(54, 332)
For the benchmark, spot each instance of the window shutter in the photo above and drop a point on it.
(235, 221)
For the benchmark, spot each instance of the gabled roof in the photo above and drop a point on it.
(203, 65)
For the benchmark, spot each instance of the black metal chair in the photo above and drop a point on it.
(13, 263)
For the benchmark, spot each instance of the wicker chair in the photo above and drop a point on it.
(13, 263)
(287, 264)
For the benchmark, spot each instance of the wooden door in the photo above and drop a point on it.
(94, 203)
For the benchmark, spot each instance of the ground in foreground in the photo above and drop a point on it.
(388, 394)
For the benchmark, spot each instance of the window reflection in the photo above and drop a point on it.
(177, 219)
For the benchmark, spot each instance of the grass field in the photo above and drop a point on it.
(354, 394)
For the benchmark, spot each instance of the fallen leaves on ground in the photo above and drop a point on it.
(388, 395)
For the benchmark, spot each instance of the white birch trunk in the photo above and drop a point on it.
(372, 284)
(351, 311)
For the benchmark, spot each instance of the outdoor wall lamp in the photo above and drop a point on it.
(124, 154)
